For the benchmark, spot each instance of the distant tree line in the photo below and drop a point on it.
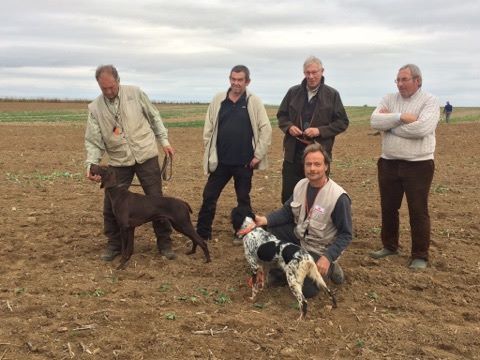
(53, 100)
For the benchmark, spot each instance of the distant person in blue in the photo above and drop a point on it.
(448, 112)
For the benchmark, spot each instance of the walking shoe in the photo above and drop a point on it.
(309, 288)
(337, 276)
(109, 254)
(418, 264)
(237, 241)
(276, 278)
(169, 254)
(382, 253)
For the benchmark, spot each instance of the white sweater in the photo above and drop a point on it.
(414, 141)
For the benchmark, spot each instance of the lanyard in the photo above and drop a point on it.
(308, 209)
(117, 129)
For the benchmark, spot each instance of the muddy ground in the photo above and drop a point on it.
(58, 300)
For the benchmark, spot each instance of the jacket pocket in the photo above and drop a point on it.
(296, 207)
(317, 228)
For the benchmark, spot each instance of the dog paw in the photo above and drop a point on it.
(122, 266)
(301, 317)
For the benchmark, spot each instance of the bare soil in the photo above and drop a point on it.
(58, 300)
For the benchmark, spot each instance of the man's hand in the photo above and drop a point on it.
(168, 150)
(294, 131)
(323, 264)
(260, 220)
(96, 178)
(407, 118)
(311, 132)
(253, 164)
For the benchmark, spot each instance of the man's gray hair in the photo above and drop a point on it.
(312, 60)
(414, 70)
(109, 69)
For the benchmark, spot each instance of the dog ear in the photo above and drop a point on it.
(109, 178)
(289, 252)
(267, 251)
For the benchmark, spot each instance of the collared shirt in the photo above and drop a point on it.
(113, 105)
(312, 93)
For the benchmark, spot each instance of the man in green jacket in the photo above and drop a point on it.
(309, 112)
(124, 124)
(236, 136)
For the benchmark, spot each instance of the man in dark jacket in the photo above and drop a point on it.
(309, 112)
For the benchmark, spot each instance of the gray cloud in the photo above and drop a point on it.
(183, 50)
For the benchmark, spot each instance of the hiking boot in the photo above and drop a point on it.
(168, 253)
(110, 253)
(418, 264)
(382, 253)
(337, 276)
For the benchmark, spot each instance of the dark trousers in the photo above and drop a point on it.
(412, 178)
(285, 234)
(242, 177)
(292, 173)
(151, 180)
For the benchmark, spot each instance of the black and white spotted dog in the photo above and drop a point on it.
(264, 250)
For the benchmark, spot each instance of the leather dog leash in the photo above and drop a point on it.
(167, 168)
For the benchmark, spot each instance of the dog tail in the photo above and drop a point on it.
(311, 271)
(188, 207)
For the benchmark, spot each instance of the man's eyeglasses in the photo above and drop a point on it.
(403, 80)
(313, 73)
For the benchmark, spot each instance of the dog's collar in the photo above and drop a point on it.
(245, 231)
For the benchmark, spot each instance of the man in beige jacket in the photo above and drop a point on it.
(236, 135)
(123, 123)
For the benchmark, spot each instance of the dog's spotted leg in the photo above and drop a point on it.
(318, 279)
(258, 282)
(254, 287)
(313, 273)
(296, 289)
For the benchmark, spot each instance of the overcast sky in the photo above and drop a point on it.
(182, 50)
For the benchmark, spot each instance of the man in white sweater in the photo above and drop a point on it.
(407, 120)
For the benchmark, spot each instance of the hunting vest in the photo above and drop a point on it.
(315, 229)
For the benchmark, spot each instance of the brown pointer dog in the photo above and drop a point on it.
(132, 210)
